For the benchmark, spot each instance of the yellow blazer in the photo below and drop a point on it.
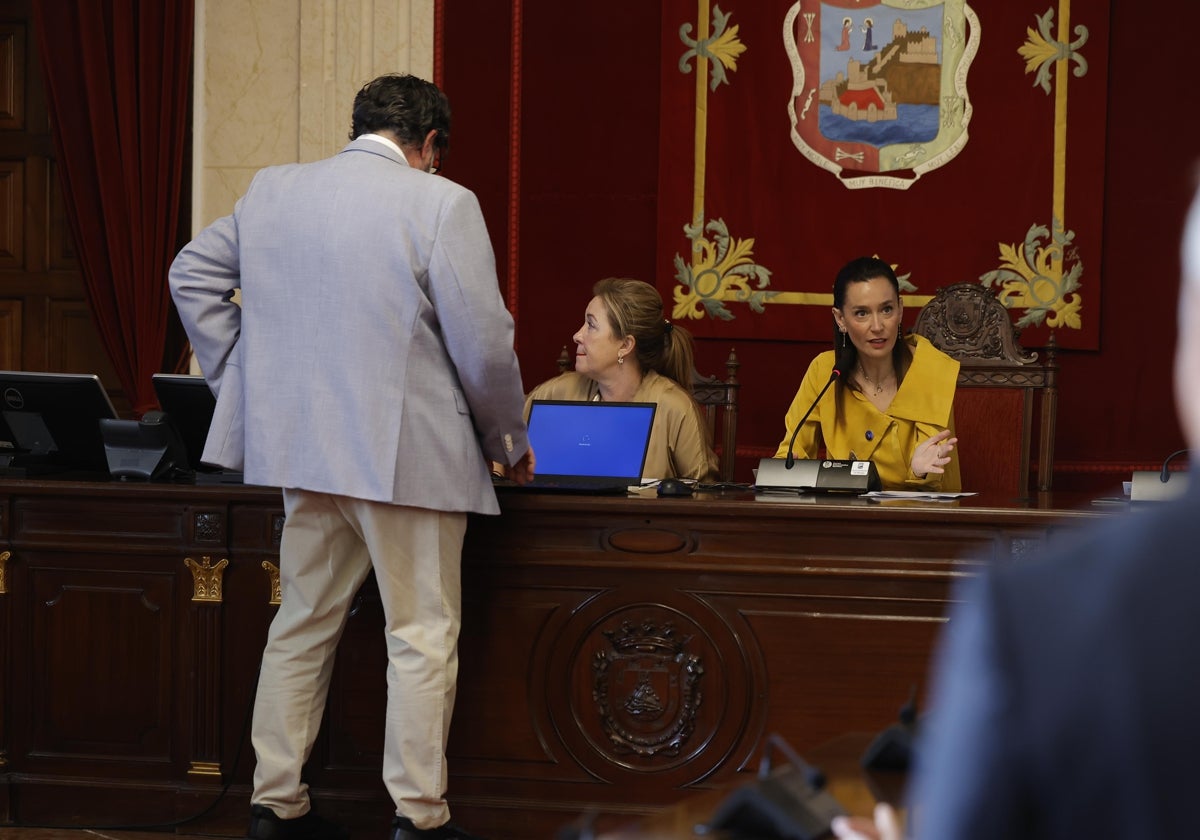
(922, 407)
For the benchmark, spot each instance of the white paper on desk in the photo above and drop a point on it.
(925, 495)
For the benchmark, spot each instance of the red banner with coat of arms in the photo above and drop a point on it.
(957, 142)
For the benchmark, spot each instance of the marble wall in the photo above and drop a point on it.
(275, 79)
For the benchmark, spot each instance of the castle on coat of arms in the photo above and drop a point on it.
(904, 72)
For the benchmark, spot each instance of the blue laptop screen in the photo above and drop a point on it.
(590, 438)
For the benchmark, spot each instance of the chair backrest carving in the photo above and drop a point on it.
(718, 399)
(968, 322)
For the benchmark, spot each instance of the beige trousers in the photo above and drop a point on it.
(329, 545)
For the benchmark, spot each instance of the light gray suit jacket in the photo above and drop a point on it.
(372, 355)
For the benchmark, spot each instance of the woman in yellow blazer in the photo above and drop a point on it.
(893, 402)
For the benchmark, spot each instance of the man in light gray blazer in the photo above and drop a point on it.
(369, 372)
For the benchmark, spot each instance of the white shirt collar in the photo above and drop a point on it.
(379, 138)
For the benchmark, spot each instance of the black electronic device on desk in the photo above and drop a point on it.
(892, 749)
(51, 425)
(1159, 485)
(793, 476)
(146, 450)
(788, 802)
(816, 475)
(675, 487)
(189, 404)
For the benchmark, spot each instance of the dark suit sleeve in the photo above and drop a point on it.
(969, 782)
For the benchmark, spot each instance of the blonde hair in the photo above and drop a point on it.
(635, 309)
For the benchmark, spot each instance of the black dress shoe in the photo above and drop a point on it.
(403, 829)
(264, 825)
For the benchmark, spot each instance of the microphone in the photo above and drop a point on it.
(893, 748)
(1165, 475)
(790, 801)
(837, 372)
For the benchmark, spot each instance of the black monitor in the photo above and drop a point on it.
(51, 423)
(188, 403)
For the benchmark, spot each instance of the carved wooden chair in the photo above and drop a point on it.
(998, 383)
(719, 400)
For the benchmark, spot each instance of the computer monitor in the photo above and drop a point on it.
(189, 404)
(51, 423)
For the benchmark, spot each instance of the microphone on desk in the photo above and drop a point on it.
(1159, 485)
(833, 376)
(1165, 475)
(892, 749)
(790, 801)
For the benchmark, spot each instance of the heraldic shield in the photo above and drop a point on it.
(879, 89)
(647, 689)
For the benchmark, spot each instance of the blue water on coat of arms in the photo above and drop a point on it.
(914, 124)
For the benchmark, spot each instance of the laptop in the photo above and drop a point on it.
(189, 403)
(589, 447)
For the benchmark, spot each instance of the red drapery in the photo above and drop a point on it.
(117, 75)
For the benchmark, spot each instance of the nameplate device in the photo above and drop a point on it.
(816, 475)
(1150, 486)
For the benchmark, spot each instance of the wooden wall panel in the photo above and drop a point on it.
(10, 333)
(128, 715)
(60, 245)
(12, 216)
(12, 92)
(73, 345)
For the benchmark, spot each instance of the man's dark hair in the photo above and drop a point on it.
(405, 105)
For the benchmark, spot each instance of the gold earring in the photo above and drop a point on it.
(620, 359)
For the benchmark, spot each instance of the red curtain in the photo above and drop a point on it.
(117, 75)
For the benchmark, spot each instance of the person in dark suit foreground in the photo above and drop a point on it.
(369, 371)
(1066, 694)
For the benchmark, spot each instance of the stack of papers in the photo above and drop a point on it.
(924, 495)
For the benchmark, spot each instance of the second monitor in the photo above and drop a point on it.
(189, 404)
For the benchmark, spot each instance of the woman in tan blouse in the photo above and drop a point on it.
(627, 352)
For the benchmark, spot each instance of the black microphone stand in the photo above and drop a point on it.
(791, 458)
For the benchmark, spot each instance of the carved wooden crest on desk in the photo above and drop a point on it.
(647, 689)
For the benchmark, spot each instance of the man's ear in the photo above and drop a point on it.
(429, 147)
(429, 150)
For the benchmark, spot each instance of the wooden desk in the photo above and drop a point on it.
(617, 654)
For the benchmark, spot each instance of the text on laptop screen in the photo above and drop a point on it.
(590, 438)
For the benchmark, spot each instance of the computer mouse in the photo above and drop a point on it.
(674, 487)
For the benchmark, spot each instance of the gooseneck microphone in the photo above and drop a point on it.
(1165, 475)
(791, 458)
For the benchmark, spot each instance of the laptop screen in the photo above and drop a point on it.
(590, 438)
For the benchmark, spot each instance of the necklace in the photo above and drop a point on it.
(878, 386)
